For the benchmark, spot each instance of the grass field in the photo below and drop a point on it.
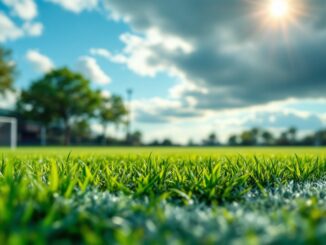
(163, 196)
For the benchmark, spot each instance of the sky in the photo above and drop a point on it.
(195, 67)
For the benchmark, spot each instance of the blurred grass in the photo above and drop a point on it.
(167, 151)
(173, 195)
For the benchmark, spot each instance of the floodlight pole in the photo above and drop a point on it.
(129, 98)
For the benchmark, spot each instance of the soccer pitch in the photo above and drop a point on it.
(163, 195)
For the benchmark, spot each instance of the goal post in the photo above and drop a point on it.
(8, 131)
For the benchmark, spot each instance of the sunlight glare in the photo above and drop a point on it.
(279, 8)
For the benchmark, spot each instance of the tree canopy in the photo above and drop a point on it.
(60, 96)
(112, 110)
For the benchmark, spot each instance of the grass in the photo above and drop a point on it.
(163, 196)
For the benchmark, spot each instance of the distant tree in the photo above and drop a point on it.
(167, 142)
(320, 137)
(7, 71)
(111, 111)
(81, 130)
(309, 140)
(267, 137)
(154, 143)
(135, 138)
(283, 139)
(191, 143)
(249, 137)
(292, 133)
(233, 140)
(211, 140)
(60, 96)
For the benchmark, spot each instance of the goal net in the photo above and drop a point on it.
(8, 132)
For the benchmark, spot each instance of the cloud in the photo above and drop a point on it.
(100, 52)
(231, 54)
(280, 120)
(39, 61)
(33, 29)
(91, 69)
(24, 9)
(159, 110)
(8, 100)
(140, 54)
(8, 29)
(77, 6)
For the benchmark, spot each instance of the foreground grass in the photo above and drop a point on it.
(101, 195)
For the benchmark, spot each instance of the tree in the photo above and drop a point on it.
(136, 138)
(7, 71)
(111, 110)
(233, 140)
(283, 139)
(191, 142)
(267, 137)
(250, 137)
(320, 137)
(292, 132)
(61, 96)
(167, 142)
(211, 140)
(81, 130)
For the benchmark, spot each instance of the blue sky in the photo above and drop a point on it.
(67, 36)
(194, 67)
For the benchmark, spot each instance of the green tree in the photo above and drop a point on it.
(320, 137)
(233, 140)
(211, 140)
(136, 138)
(292, 132)
(7, 71)
(283, 139)
(249, 137)
(267, 137)
(111, 111)
(61, 96)
(167, 142)
(81, 130)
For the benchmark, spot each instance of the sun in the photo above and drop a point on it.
(279, 9)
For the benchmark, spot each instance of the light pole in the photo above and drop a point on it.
(129, 98)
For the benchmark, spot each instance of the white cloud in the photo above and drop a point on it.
(33, 29)
(40, 62)
(8, 29)
(91, 69)
(77, 6)
(140, 55)
(24, 9)
(8, 100)
(118, 58)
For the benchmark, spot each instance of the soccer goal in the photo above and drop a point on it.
(8, 132)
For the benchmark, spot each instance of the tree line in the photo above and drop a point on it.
(264, 137)
(65, 98)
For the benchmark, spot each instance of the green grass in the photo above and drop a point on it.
(163, 195)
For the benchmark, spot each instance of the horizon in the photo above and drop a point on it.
(241, 65)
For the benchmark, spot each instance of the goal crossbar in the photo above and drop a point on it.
(13, 131)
